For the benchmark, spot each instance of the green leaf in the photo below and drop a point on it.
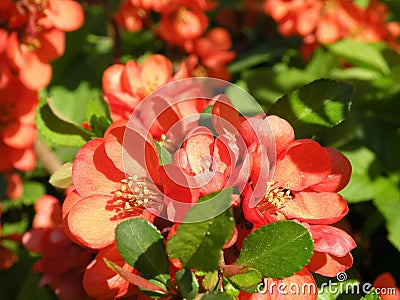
(360, 186)
(216, 296)
(229, 288)
(372, 295)
(62, 178)
(134, 279)
(98, 115)
(58, 131)
(142, 246)
(199, 245)
(321, 104)
(246, 280)
(164, 156)
(187, 284)
(387, 200)
(210, 280)
(360, 54)
(277, 250)
(72, 103)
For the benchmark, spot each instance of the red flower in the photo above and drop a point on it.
(125, 86)
(212, 53)
(62, 262)
(37, 36)
(183, 20)
(110, 189)
(18, 132)
(129, 17)
(304, 185)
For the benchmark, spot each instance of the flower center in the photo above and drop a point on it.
(134, 195)
(274, 199)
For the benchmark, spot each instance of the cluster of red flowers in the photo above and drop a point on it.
(327, 21)
(183, 23)
(31, 35)
(300, 182)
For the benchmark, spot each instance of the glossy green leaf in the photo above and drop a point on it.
(188, 286)
(372, 295)
(164, 156)
(360, 54)
(321, 104)
(360, 186)
(199, 245)
(142, 246)
(387, 200)
(248, 279)
(62, 178)
(277, 250)
(59, 131)
(210, 280)
(98, 115)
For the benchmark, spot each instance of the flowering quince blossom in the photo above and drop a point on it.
(17, 133)
(36, 36)
(304, 188)
(326, 21)
(124, 86)
(183, 20)
(210, 54)
(62, 262)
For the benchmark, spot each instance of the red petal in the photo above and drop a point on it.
(282, 130)
(7, 258)
(91, 223)
(339, 175)
(72, 198)
(225, 117)
(113, 140)
(332, 240)
(100, 282)
(329, 265)
(302, 164)
(316, 208)
(178, 186)
(66, 15)
(111, 80)
(35, 74)
(48, 212)
(19, 135)
(199, 147)
(156, 71)
(53, 45)
(130, 79)
(93, 171)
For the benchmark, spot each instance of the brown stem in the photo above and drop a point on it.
(46, 157)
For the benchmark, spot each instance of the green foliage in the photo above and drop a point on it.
(142, 246)
(198, 245)
(57, 129)
(188, 286)
(277, 250)
(319, 105)
(62, 178)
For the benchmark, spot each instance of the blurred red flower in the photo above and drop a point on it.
(62, 262)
